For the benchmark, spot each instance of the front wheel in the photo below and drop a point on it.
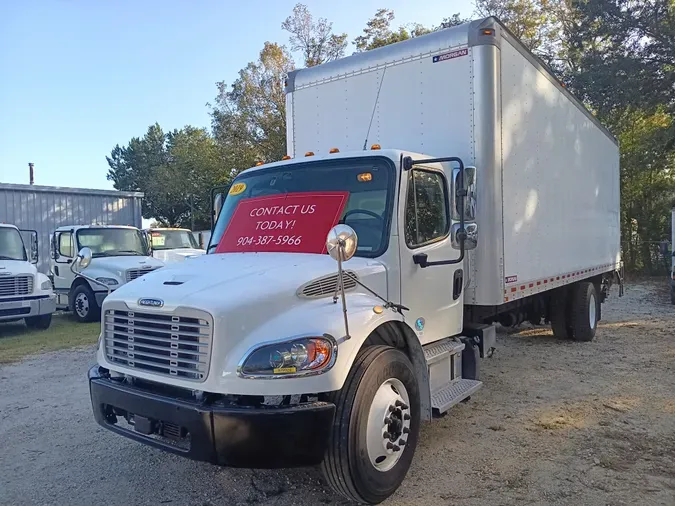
(84, 304)
(376, 426)
(40, 322)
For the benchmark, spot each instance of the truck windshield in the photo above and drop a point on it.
(11, 245)
(369, 182)
(173, 239)
(107, 242)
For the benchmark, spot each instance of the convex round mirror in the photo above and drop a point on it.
(341, 242)
(84, 258)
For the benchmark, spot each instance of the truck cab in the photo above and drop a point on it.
(173, 244)
(24, 292)
(120, 254)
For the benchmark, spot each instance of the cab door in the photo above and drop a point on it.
(433, 294)
(63, 253)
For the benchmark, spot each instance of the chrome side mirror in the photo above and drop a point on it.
(84, 258)
(341, 243)
(471, 194)
(341, 246)
(471, 240)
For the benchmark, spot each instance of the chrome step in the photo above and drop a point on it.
(453, 393)
(441, 350)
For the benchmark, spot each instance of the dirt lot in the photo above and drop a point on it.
(556, 423)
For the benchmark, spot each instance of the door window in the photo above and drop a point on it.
(66, 245)
(427, 210)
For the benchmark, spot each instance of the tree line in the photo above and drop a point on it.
(617, 56)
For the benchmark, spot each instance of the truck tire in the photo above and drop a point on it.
(376, 426)
(584, 311)
(39, 322)
(559, 314)
(84, 304)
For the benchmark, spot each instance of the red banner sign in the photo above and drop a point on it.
(289, 223)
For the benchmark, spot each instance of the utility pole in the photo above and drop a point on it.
(31, 173)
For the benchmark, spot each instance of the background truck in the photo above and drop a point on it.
(455, 182)
(24, 292)
(119, 255)
(173, 244)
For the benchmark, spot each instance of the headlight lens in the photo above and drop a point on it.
(298, 357)
(107, 281)
(46, 285)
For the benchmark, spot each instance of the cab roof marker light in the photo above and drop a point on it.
(309, 153)
(285, 157)
(334, 150)
(375, 147)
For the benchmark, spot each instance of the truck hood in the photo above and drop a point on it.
(176, 255)
(244, 288)
(16, 267)
(117, 266)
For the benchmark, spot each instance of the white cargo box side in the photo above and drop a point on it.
(560, 181)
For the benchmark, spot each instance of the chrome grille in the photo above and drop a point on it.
(16, 285)
(326, 285)
(166, 344)
(137, 273)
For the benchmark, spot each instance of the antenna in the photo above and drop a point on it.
(372, 115)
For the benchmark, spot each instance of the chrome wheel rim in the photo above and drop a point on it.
(388, 425)
(82, 305)
(591, 311)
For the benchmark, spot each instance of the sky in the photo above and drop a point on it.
(78, 77)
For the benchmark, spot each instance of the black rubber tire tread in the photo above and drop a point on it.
(336, 465)
(39, 322)
(94, 310)
(581, 295)
(559, 315)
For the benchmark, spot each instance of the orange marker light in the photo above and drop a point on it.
(364, 177)
(285, 157)
(334, 150)
(375, 146)
(258, 164)
(309, 153)
(488, 31)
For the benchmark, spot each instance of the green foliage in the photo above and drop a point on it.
(175, 170)
(249, 118)
(379, 33)
(314, 39)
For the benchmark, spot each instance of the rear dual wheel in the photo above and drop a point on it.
(574, 312)
(376, 426)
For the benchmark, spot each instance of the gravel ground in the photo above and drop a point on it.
(556, 423)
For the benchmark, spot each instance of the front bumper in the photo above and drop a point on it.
(263, 438)
(24, 307)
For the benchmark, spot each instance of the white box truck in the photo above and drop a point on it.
(433, 188)
(172, 244)
(25, 293)
(118, 254)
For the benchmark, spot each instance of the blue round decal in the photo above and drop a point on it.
(419, 324)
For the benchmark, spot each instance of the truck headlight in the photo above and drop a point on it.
(107, 281)
(292, 358)
(46, 285)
